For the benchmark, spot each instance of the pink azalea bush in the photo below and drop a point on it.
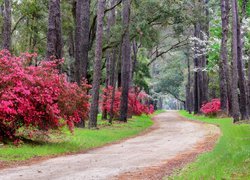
(137, 102)
(211, 108)
(37, 96)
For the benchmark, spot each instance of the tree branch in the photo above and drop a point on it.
(176, 97)
(93, 25)
(175, 46)
(18, 21)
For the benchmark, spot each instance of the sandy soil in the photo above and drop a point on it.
(174, 142)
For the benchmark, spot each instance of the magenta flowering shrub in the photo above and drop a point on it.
(37, 96)
(136, 102)
(211, 108)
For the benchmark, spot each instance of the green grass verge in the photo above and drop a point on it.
(83, 139)
(230, 158)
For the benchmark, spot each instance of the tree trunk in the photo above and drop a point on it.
(125, 69)
(242, 80)
(134, 64)
(54, 34)
(114, 68)
(223, 71)
(7, 25)
(109, 55)
(197, 74)
(234, 85)
(188, 101)
(82, 39)
(97, 65)
(244, 15)
(205, 36)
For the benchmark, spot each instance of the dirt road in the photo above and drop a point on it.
(172, 136)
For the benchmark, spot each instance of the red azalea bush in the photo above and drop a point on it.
(107, 101)
(37, 96)
(137, 102)
(211, 108)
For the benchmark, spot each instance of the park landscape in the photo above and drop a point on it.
(125, 89)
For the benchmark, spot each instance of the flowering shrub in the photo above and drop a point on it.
(37, 96)
(137, 102)
(107, 100)
(211, 108)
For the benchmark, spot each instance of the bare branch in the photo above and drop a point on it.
(175, 46)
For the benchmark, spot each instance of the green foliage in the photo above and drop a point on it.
(142, 74)
(169, 76)
(230, 158)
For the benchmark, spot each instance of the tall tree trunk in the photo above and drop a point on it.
(234, 85)
(114, 68)
(110, 64)
(134, 64)
(205, 36)
(188, 101)
(82, 39)
(126, 61)
(223, 71)
(7, 25)
(197, 73)
(97, 65)
(54, 34)
(242, 80)
(244, 15)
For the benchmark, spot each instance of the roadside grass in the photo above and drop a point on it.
(230, 159)
(81, 140)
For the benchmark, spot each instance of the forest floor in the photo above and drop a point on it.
(173, 142)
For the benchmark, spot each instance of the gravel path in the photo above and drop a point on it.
(172, 136)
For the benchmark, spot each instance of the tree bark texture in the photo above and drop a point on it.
(54, 34)
(7, 25)
(97, 65)
(223, 64)
(205, 29)
(82, 39)
(109, 55)
(242, 80)
(126, 61)
(189, 97)
(197, 73)
(234, 84)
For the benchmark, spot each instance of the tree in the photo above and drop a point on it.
(224, 57)
(7, 25)
(197, 74)
(126, 61)
(82, 39)
(242, 80)
(97, 65)
(54, 34)
(110, 54)
(234, 84)
(188, 87)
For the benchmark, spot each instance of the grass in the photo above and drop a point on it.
(83, 139)
(230, 158)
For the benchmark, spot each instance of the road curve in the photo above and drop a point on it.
(172, 136)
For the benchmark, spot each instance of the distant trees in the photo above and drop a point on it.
(232, 80)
